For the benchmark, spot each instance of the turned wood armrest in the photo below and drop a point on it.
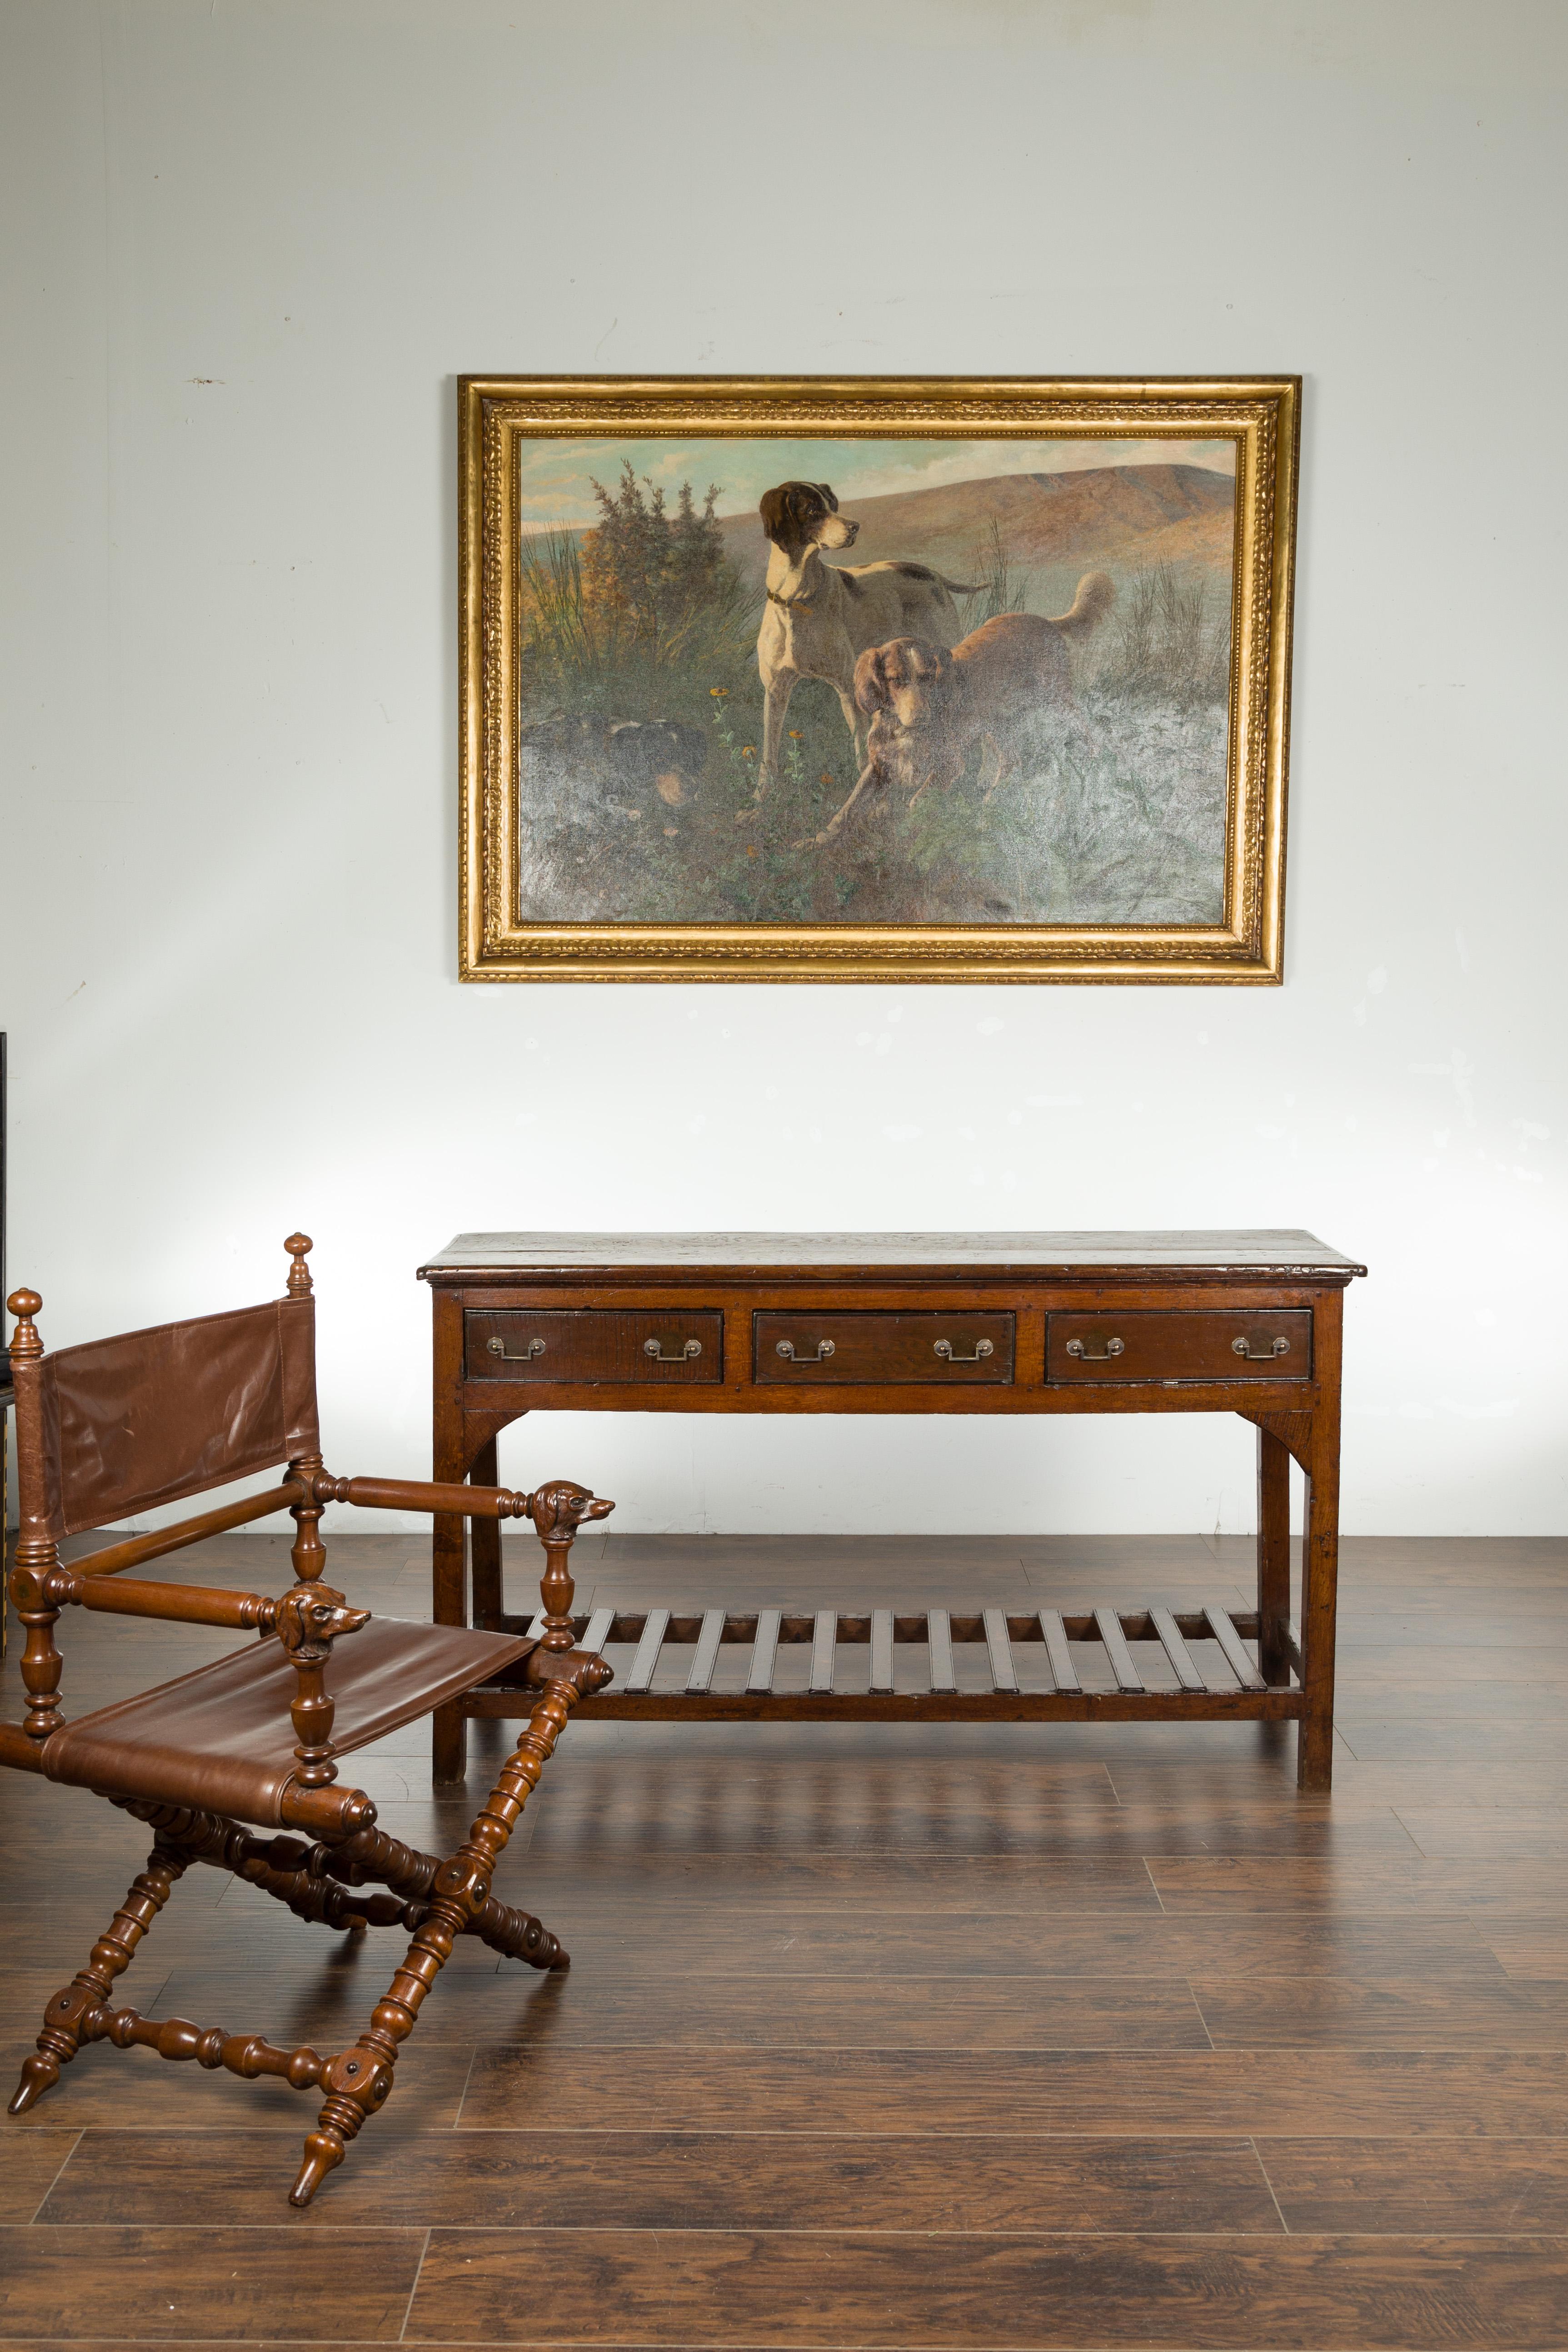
(421, 1495)
(183, 1605)
(558, 1507)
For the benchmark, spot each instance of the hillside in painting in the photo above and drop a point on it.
(1115, 519)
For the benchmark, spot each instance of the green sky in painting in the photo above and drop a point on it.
(557, 474)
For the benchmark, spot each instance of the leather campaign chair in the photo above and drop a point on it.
(250, 1743)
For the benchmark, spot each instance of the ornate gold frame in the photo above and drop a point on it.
(1261, 413)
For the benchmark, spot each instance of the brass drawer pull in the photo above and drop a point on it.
(654, 1347)
(982, 1347)
(1111, 1348)
(786, 1350)
(526, 1356)
(1259, 1354)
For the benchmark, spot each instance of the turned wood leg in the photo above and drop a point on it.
(325, 1884)
(371, 1854)
(484, 1549)
(325, 1900)
(358, 2081)
(283, 1867)
(1273, 1557)
(75, 2015)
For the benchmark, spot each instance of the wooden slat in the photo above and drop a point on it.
(881, 1649)
(1176, 1650)
(647, 1657)
(764, 1649)
(707, 1642)
(825, 1635)
(598, 1629)
(1229, 1640)
(1064, 1673)
(1003, 1676)
(939, 1633)
(1128, 1678)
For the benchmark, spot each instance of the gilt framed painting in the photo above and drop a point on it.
(811, 679)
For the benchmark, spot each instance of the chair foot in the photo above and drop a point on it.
(518, 1936)
(40, 2073)
(323, 2151)
(75, 2015)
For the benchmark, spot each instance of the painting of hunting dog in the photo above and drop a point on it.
(827, 680)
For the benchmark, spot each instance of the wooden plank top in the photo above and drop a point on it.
(1285, 1252)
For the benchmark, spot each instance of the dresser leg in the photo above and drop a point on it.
(448, 1745)
(449, 1541)
(1273, 1555)
(484, 1547)
(450, 1606)
(1320, 1580)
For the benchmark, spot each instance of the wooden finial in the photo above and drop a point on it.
(297, 1246)
(558, 1509)
(26, 1343)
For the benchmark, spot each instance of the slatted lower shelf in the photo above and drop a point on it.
(897, 1664)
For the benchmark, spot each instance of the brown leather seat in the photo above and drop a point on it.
(220, 1738)
(116, 1427)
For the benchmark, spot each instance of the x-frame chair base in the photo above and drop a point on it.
(438, 1900)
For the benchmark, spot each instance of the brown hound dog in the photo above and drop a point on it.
(927, 706)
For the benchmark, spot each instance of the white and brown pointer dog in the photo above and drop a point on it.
(819, 619)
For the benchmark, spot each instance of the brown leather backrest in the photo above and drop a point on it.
(119, 1425)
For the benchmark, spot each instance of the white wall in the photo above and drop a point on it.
(251, 244)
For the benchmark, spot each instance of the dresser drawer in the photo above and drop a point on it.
(938, 1351)
(1272, 1344)
(594, 1343)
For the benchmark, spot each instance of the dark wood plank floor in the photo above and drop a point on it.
(1068, 2035)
